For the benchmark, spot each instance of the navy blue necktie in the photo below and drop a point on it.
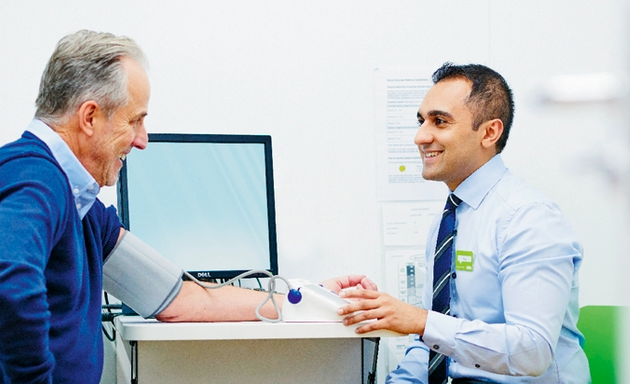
(438, 367)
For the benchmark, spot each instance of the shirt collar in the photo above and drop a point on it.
(476, 186)
(83, 186)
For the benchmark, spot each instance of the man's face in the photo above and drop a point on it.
(125, 130)
(450, 149)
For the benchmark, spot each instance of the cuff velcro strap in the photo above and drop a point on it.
(141, 277)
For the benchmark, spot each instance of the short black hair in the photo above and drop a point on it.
(490, 97)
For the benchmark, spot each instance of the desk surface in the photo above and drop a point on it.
(138, 329)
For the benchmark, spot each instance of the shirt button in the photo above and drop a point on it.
(436, 346)
(477, 366)
(76, 191)
(454, 275)
(78, 206)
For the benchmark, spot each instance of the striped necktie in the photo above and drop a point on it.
(438, 367)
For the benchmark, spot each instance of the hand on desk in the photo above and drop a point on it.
(389, 312)
(336, 284)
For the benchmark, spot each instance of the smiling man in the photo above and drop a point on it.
(505, 307)
(60, 245)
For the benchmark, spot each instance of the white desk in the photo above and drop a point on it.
(244, 352)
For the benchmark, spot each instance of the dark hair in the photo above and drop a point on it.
(490, 97)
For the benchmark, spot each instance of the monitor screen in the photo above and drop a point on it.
(204, 201)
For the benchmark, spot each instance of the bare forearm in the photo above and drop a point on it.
(197, 304)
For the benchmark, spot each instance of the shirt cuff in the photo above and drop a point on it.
(439, 333)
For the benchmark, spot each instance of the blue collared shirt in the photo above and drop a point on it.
(84, 186)
(514, 295)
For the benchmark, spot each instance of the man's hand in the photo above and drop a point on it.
(390, 313)
(336, 284)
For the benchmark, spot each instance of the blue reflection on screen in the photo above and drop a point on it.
(202, 205)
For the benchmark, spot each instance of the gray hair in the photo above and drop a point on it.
(85, 65)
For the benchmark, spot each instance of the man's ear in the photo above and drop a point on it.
(491, 130)
(88, 114)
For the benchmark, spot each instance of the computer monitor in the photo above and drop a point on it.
(204, 201)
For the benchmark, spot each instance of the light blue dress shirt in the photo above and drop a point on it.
(84, 186)
(514, 309)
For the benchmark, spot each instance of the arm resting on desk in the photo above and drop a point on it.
(165, 297)
(195, 303)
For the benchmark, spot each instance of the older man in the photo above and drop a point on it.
(55, 233)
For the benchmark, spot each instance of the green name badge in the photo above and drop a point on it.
(464, 260)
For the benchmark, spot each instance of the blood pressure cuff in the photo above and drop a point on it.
(141, 277)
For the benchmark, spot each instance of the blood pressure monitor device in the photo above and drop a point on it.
(313, 304)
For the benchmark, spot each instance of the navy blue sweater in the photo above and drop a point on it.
(50, 271)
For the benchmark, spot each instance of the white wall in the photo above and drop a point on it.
(302, 72)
